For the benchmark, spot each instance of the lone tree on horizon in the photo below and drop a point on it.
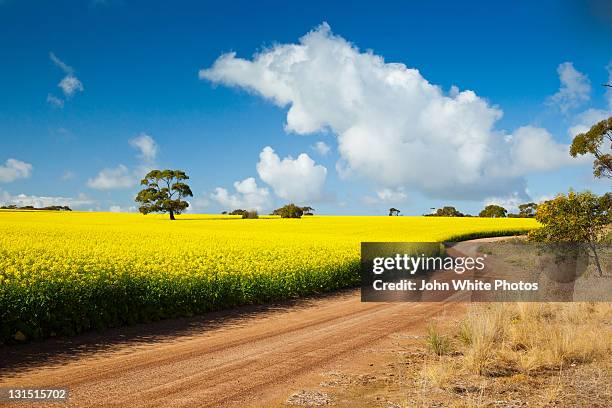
(308, 210)
(394, 211)
(164, 192)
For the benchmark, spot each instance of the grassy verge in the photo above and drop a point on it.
(518, 344)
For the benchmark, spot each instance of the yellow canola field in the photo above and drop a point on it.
(63, 273)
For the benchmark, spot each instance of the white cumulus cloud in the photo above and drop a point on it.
(117, 208)
(322, 148)
(146, 145)
(122, 176)
(113, 178)
(199, 203)
(575, 88)
(387, 196)
(584, 120)
(14, 169)
(510, 202)
(248, 196)
(299, 180)
(393, 126)
(534, 149)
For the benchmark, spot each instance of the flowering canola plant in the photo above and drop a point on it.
(62, 273)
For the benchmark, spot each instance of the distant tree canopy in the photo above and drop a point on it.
(447, 211)
(527, 210)
(289, 211)
(252, 214)
(598, 142)
(576, 218)
(493, 211)
(394, 211)
(308, 210)
(244, 213)
(164, 192)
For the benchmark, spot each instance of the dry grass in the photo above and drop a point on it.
(503, 339)
(437, 373)
(511, 352)
(496, 355)
(437, 343)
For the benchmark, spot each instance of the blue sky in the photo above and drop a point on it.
(140, 89)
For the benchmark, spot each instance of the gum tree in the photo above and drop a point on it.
(164, 192)
(493, 211)
(598, 142)
(448, 211)
(289, 211)
(527, 210)
(578, 218)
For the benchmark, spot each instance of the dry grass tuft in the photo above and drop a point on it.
(526, 337)
(437, 343)
(437, 374)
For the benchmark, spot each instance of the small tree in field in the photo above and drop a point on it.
(393, 211)
(527, 210)
(289, 211)
(252, 214)
(447, 211)
(493, 211)
(164, 192)
(308, 210)
(580, 218)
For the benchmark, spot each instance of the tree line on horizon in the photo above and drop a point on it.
(287, 211)
(164, 192)
(526, 210)
(31, 207)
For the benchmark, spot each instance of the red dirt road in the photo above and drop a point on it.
(250, 356)
(257, 360)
